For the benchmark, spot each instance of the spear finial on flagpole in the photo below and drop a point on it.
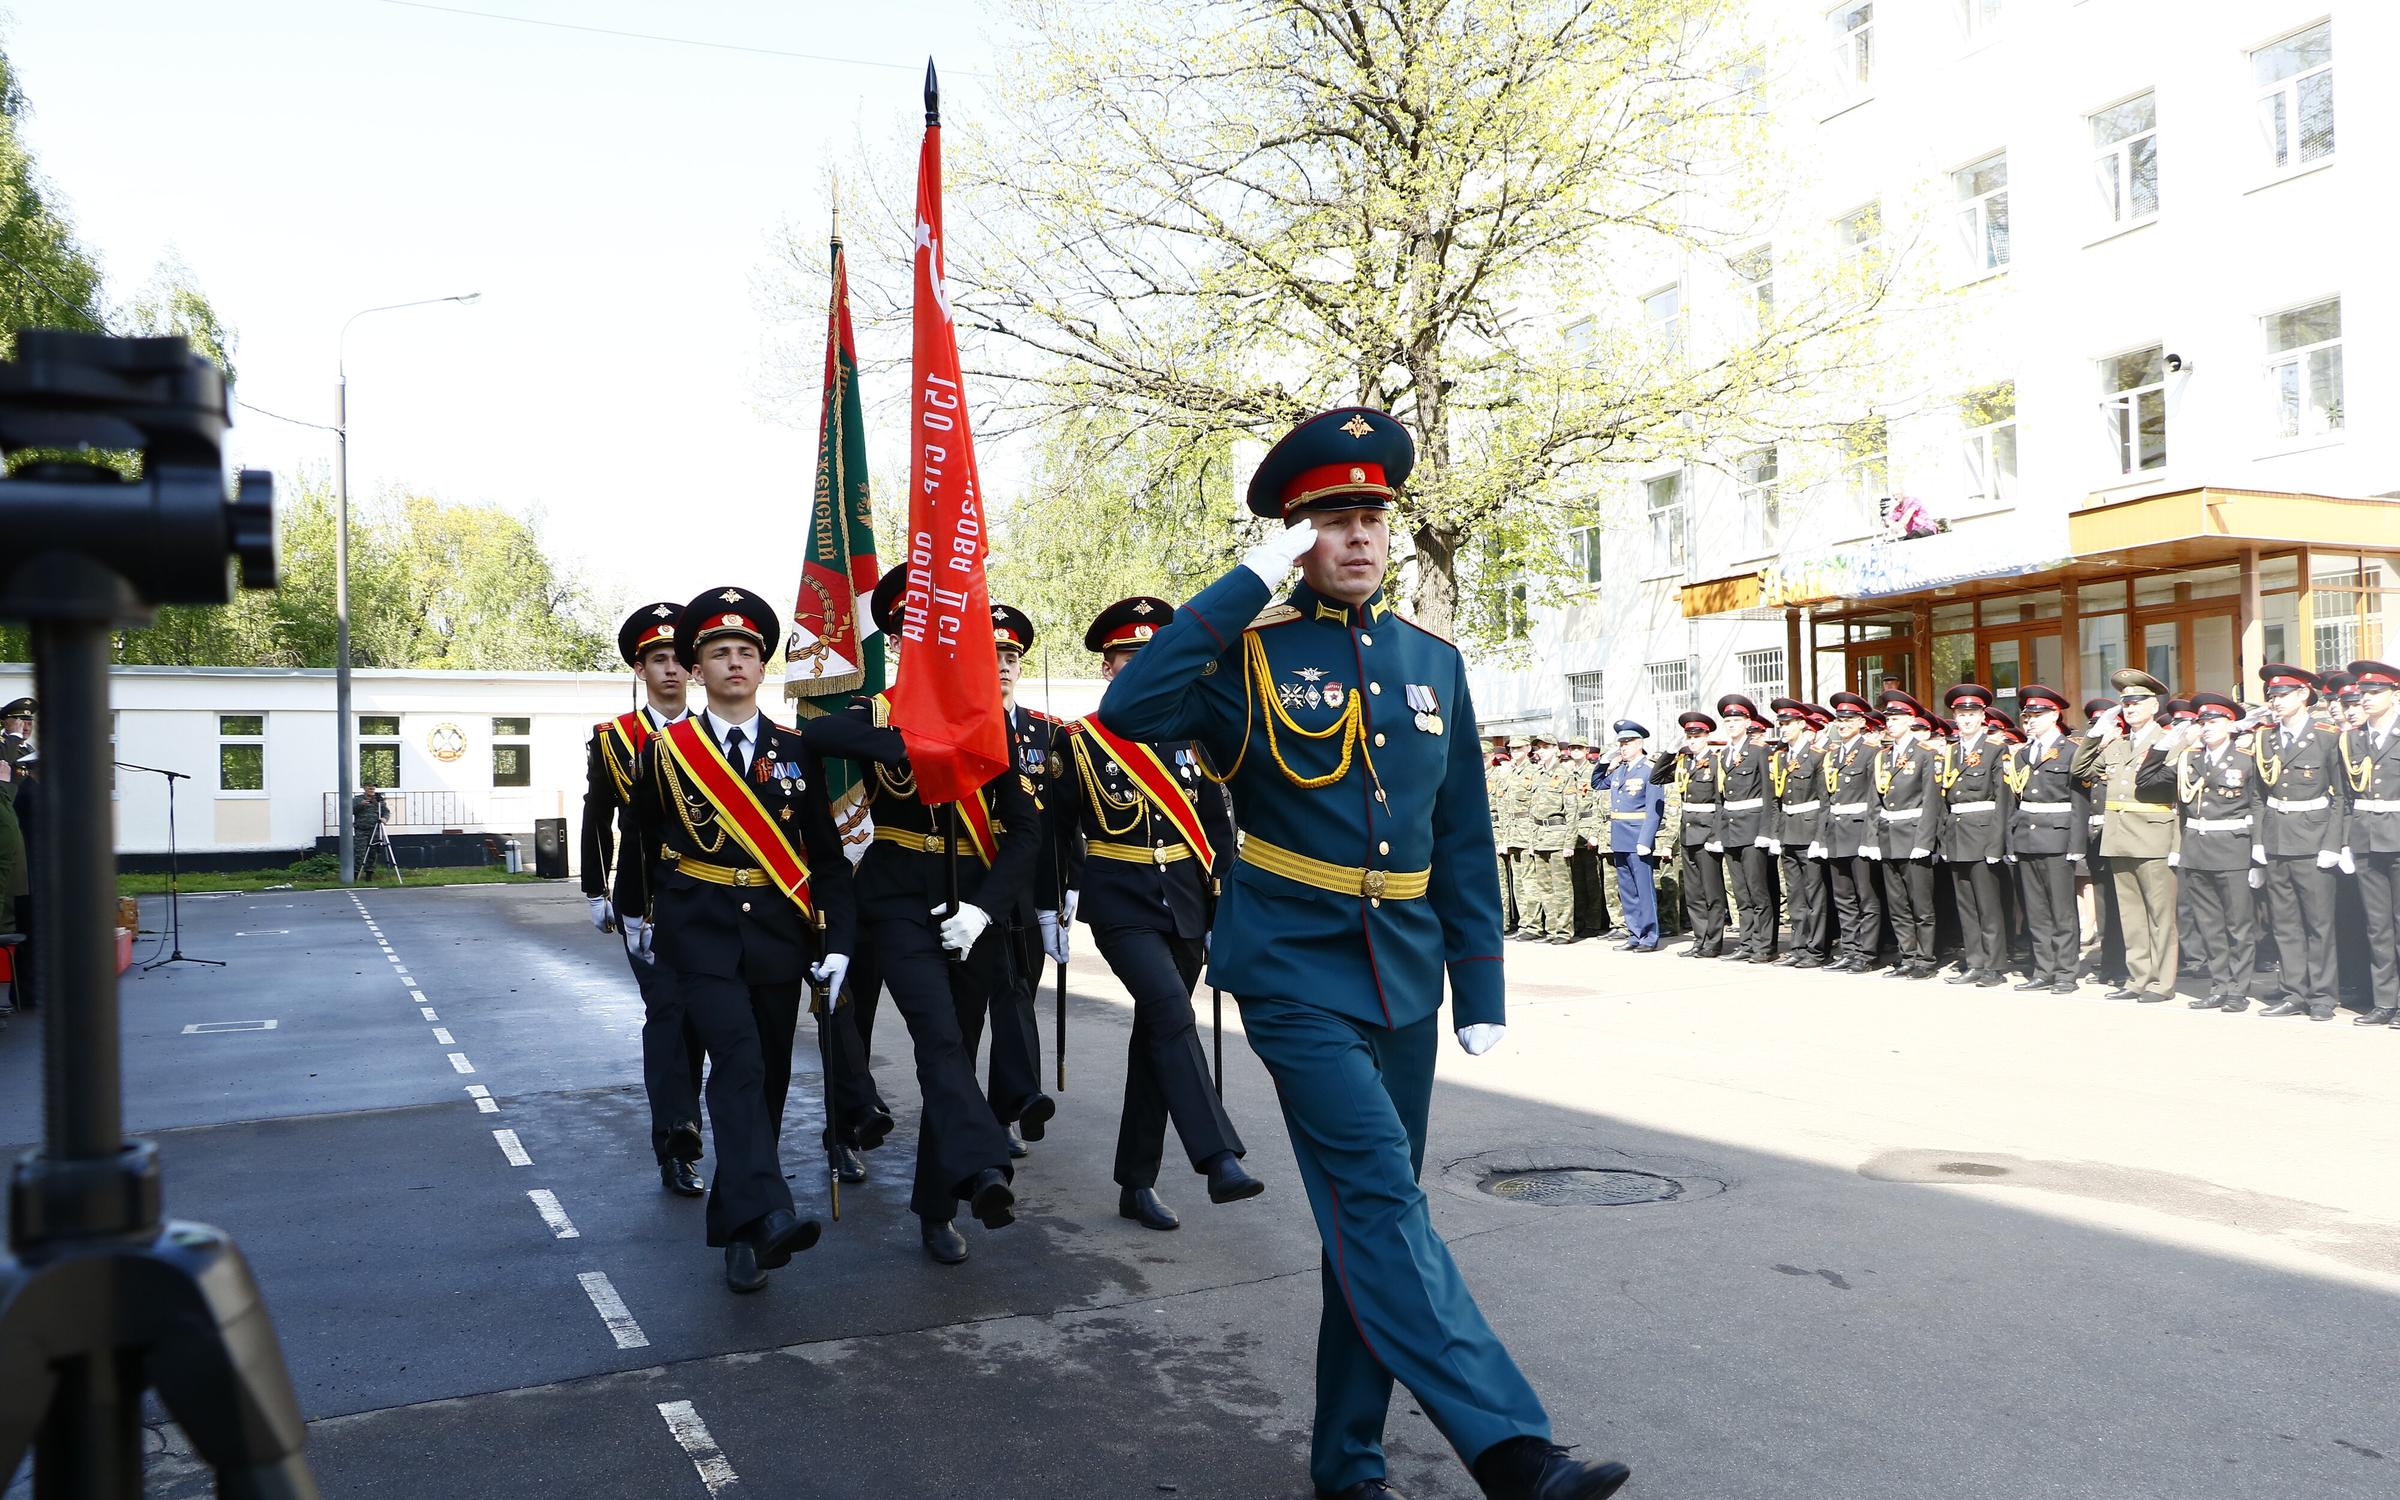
(836, 179)
(933, 95)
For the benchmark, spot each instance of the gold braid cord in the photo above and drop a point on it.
(2360, 772)
(1779, 771)
(1350, 728)
(2187, 785)
(1101, 800)
(666, 764)
(2017, 780)
(1885, 766)
(2270, 768)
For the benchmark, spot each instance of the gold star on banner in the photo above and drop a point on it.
(1357, 427)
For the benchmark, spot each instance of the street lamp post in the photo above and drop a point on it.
(342, 729)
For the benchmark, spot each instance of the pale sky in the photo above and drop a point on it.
(616, 201)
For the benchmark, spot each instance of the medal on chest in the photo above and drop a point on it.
(1426, 706)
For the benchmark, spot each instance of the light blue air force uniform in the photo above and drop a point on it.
(1637, 809)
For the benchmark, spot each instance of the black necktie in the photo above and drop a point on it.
(733, 751)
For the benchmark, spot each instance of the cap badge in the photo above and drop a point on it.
(663, 611)
(1142, 608)
(1357, 427)
(664, 632)
(1144, 632)
(1357, 475)
(731, 596)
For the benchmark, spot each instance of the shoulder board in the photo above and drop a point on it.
(1038, 716)
(880, 710)
(601, 728)
(1071, 726)
(2321, 724)
(1273, 614)
(1413, 625)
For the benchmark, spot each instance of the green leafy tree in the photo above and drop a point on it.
(47, 278)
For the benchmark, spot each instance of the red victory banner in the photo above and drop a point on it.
(946, 704)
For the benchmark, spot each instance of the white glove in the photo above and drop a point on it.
(2258, 878)
(1481, 1037)
(1067, 903)
(1054, 935)
(2074, 858)
(2012, 859)
(830, 971)
(1642, 849)
(1920, 854)
(604, 914)
(2174, 861)
(1817, 851)
(2258, 854)
(2348, 863)
(1870, 851)
(961, 929)
(2326, 859)
(637, 938)
(1991, 859)
(1772, 846)
(1273, 558)
(1713, 846)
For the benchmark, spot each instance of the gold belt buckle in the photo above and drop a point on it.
(1158, 856)
(746, 876)
(1371, 885)
(933, 844)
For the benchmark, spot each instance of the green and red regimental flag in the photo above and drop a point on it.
(833, 656)
(946, 704)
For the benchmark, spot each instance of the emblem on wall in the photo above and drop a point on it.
(446, 742)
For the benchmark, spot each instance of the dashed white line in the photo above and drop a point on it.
(442, 1034)
(546, 1203)
(428, 1012)
(459, 1061)
(511, 1148)
(615, 1314)
(484, 1102)
(692, 1434)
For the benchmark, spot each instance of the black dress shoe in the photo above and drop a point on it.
(1365, 1489)
(2320, 1012)
(2153, 997)
(1531, 1469)
(845, 1164)
(2037, 982)
(943, 1241)
(1922, 971)
(2206, 1002)
(2381, 1015)
(683, 1142)
(2234, 1005)
(1034, 1122)
(990, 1201)
(1764, 958)
(2282, 1008)
(1017, 1148)
(871, 1130)
(1228, 1182)
(1146, 1208)
(1991, 979)
(1791, 958)
(741, 1267)
(1809, 961)
(2063, 985)
(781, 1234)
(1969, 976)
(678, 1177)
(2122, 994)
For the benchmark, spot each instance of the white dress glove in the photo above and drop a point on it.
(604, 914)
(2327, 859)
(2348, 862)
(1816, 851)
(2258, 878)
(2174, 861)
(962, 928)
(2258, 854)
(830, 971)
(637, 938)
(1054, 935)
(1272, 559)
(1067, 903)
(1772, 846)
(2074, 856)
(1991, 859)
(1714, 846)
(1481, 1037)
(1871, 851)
(1642, 849)
(1920, 854)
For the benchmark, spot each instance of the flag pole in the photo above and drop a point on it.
(1058, 872)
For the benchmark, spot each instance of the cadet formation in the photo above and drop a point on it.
(2162, 846)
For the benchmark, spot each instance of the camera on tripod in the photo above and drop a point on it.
(115, 503)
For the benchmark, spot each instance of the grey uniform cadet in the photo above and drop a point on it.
(1975, 800)
(2371, 771)
(1850, 835)
(2216, 790)
(1693, 769)
(1908, 787)
(2301, 833)
(2046, 836)
(1746, 827)
(1798, 777)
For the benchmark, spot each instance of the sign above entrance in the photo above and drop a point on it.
(1881, 568)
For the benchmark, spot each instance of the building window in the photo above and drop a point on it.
(1670, 685)
(1581, 340)
(1990, 446)
(2304, 370)
(2125, 166)
(1756, 268)
(1663, 498)
(1762, 673)
(1857, 236)
(379, 750)
(2333, 608)
(1583, 552)
(1979, 19)
(241, 752)
(1662, 314)
(1758, 503)
(512, 764)
(1866, 466)
(1853, 47)
(1585, 693)
(1505, 600)
(2133, 404)
(1983, 214)
(2295, 97)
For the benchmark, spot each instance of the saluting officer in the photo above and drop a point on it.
(1798, 778)
(1852, 836)
(1364, 874)
(670, 1053)
(2371, 772)
(1975, 834)
(1693, 769)
(2135, 836)
(2216, 790)
(1036, 920)
(2046, 836)
(1499, 772)
(740, 864)
(1908, 777)
(2299, 760)
(1146, 829)
(1746, 828)
(1637, 809)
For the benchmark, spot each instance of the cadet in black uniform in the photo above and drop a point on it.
(670, 1052)
(1014, 1080)
(2371, 772)
(1694, 771)
(2046, 837)
(2218, 792)
(1908, 792)
(747, 897)
(1975, 835)
(1851, 835)
(1798, 778)
(1746, 828)
(2300, 762)
(1144, 826)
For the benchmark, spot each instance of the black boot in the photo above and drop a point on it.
(741, 1267)
(781, 1234)
(1036, 1118)
(1528, 1468)
(943, 1241)
(678, 1177)
(1146, 1208)
(845, 1164)
(1228, 1182)
(989, 1199)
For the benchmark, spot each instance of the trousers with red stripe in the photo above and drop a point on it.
(1355, 1097)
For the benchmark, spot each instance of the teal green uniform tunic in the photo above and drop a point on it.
(1352, 756)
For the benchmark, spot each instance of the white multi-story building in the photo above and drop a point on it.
(2152, 244)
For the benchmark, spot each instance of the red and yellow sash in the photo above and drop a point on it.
(622, 739)
(738, 809)
(975, 815)
(1157, 783)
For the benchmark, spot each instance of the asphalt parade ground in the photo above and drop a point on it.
(1904, 1240)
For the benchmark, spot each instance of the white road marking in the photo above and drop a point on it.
(427, 1012)
(613, 1311)
(484, 1102)
(442, 1034)
(692, 1433)
(546, 1202)
(511, 1148)
(211, 1028)
(459, 1061)
(267, 932)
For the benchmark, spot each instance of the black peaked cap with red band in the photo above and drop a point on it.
(2375, 674)
(645, 630)
(1350, 458)
(2034, 698)
(1128, 622)
(726, 611)
(1695, 722)
(1852, 706)
(1897, 701)
(2283, 674)
(1967, 695)
(2215, 706)
(1011, 627)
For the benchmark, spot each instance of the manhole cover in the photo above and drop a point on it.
(1574, 1187)
(1971, 1169)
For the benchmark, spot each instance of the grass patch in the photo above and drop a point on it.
(315, 874)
